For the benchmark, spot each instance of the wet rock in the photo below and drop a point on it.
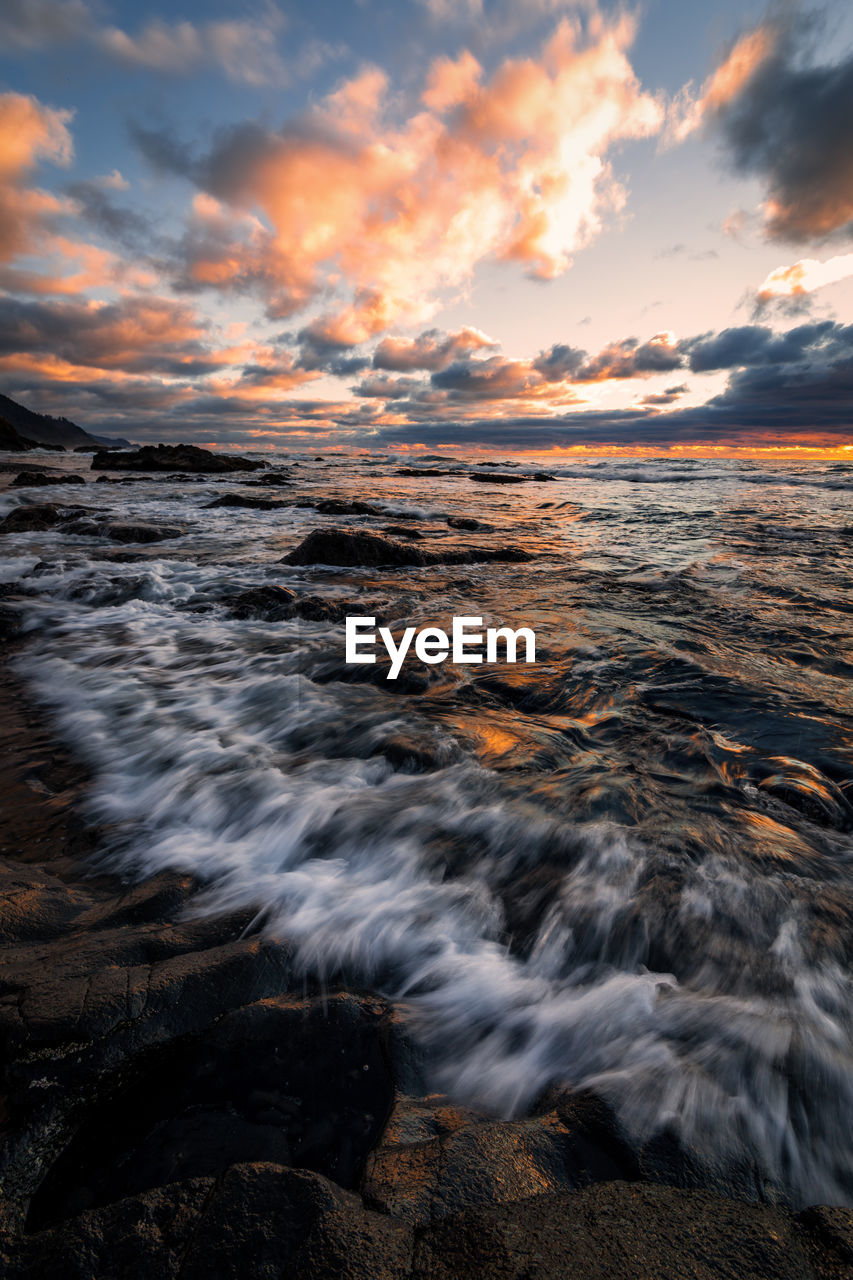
(271, 479)
(269, 603)
(606, 1150)
(38, 479)
(338, 507)
(436, 1159)
(430, 471)
(501, 477)
(173, 457)
(258, 1219)
(39, 516)
(274, 604)
(297, 1082)
(126, 531)
(468, 522)
(246, 500)
(615, 1231)
(400, 531)
(351, 547)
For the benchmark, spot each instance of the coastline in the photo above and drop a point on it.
(177, 1103)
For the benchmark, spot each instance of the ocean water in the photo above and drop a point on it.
(628, 866)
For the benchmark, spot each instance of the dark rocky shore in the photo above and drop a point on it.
(177, 1102)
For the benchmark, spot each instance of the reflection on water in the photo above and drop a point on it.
(627, 866)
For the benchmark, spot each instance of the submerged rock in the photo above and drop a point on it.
(356, 547)
(501, 477)
(274, 604)
(173, 457)
(246, 500)
(126, 531)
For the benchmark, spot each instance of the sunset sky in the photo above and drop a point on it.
(482, 223)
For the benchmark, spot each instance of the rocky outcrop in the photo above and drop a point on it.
(39, 480)
(85, 522)
(178, 1104)
(42, 515)
(11, 441)
(353, 547)
(174, 457)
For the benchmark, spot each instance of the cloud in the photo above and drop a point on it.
(118, 222)
(629, 358)
(29, 132)
(36, 24)
(430, 350)
(386, 216)
(804, 277)
(666, 397)
(788, 122)
(245, 48)
(752, 345)
(139, 334)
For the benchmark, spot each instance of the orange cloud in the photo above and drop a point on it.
(29, 132)
(687, 113)
(805, 276)
(392, 216)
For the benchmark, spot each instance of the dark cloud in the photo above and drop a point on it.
(750, 345)
(129, 228)
(668, 396)
(36, 24)
(631, 359)
(559, 362)
(139, 334)
(492, 379)
(165, 152)
(791, 125)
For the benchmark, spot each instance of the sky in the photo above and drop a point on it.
(423, 224)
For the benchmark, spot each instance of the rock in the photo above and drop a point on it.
(351, 547)
(436, 1159)
(126, 531)
(11, 441)
(275, 604)
(173, 457)
(615, 1231)
(257, 1220)
(663, 1158)
(400, 531)
(500, 477)
(468, 522)
(38, 479)
(272, 479)
(429, 471)
(297, 1082)
(338, 507)
(36, 517)
(246, 500)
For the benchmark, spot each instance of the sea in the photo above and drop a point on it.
(626, 867)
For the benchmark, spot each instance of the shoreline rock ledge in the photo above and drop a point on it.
(173, 457)
(179, 1104)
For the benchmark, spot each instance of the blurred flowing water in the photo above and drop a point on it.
(627, 866)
